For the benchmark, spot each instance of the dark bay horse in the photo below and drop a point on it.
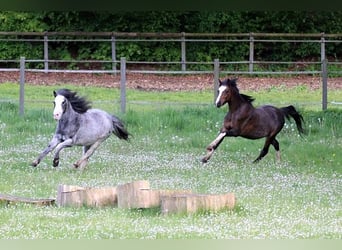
(249, 122)
(79, 124)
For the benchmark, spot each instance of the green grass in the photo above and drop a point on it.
(297, 198)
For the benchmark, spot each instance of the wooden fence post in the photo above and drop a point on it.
(123, 84)
(22, 86)
(113, 54)
(324, 85)
(46, 54)
(324, 75)
(183, 48)
(251, 52)
(216, 77)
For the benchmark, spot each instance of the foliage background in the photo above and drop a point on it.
(172, 21)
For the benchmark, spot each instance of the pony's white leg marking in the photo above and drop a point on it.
(212, 146)
(81, 163)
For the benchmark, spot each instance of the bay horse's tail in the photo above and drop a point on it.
(119, 129)
(290, 111)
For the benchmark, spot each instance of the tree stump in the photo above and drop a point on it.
(192, 203)
(76, 196)
(16, 199)
(138, 194)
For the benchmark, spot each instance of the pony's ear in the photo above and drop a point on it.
(220, 83)
(54, 93)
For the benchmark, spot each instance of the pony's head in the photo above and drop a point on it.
(64, 99)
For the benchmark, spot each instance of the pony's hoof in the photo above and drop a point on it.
(34, 164)
(55, 162)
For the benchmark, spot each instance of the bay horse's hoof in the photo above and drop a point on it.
(204, 160)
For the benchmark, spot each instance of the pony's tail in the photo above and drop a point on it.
(119, 129)
(290, 111)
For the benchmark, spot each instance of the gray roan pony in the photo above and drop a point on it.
(79, 124)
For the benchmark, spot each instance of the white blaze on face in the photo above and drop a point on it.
(58, 110)
(220, 91)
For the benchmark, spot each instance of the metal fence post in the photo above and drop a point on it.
(123, 84)
(183, 51)
(251, 52)
(113, 54)
(22, 86)
(46, 54)
(216, 77)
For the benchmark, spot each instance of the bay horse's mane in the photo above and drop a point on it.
(78, 103)
(231, 83)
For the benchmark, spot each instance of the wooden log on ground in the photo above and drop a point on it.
(138, 194)
(192, 203)
(8, 199)
(76, 196)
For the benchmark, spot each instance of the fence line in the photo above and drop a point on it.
(123, 72)
(183, 38)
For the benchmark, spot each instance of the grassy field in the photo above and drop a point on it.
(297, 198)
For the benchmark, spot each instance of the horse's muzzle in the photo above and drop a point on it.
(218, 104)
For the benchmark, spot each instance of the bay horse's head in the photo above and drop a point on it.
(226, 90)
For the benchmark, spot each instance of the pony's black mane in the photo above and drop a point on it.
(78, 103)
(231, 83)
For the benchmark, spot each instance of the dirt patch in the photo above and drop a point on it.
(155, 82)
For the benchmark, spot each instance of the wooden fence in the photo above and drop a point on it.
(321, 39)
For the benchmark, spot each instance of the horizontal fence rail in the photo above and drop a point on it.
(217, 66)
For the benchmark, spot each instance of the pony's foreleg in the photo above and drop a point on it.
(53, 143)
(88, 151)
(212, 146)
(64, 144)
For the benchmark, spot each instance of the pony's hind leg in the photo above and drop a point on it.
(212, 146)
(88, 151)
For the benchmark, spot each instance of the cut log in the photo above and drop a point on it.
(138, 194)
(192, 203)
(8, 199)
(76, 196)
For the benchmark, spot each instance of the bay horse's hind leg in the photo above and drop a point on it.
(264, 150)
(275, 144)
(212, 146)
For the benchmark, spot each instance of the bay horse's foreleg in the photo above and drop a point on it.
(213, 145)
(52, 144)
(88, 151)
(64, 144)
